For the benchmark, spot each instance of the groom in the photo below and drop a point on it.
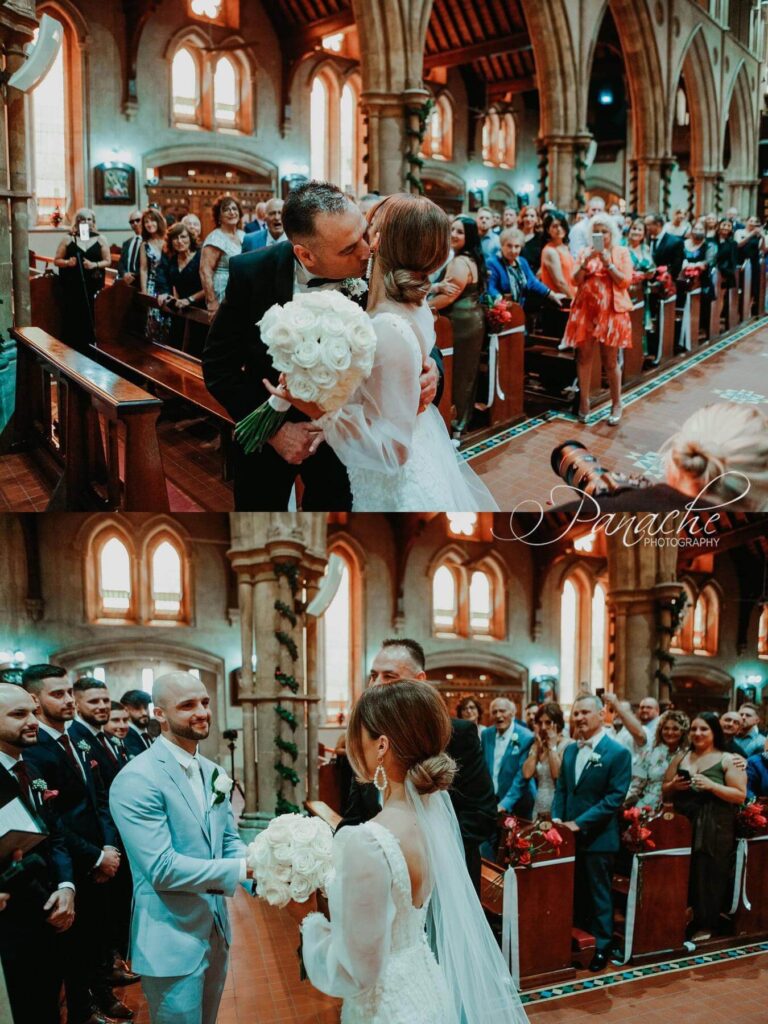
(591, 787)
(185, 857)
(328, 247)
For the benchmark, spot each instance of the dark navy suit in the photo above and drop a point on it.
(134, 743)
(592, 803)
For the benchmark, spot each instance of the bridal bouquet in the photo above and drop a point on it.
(291, 858)
(324, 344)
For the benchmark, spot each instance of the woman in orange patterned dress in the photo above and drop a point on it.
(600, 312)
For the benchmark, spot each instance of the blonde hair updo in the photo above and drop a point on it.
(414, 237)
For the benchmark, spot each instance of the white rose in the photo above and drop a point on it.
(259, 854)
(223, 783)
(283, 853)
(279, 829)
(331, 324)
(306, 353)
(282, 873)
(277, 335)
(361, 339)
(322, 377)
(275, 893)
(303, 386)
(302, 320)
(335, 354)
(270, 318)
(304, 861)
(304, 831)
(301, 888)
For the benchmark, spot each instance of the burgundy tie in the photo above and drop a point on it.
(22, 777)
(66, 743)
(107, 747)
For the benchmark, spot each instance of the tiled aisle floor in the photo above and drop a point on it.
(263, 986)
(521, 470)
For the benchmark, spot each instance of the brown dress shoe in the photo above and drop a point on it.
(121, 976)
(117, 1010)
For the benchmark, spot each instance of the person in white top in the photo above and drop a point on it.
(679, 225)
(637, 732)
(580, 237)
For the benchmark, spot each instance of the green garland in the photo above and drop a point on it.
(288, 748)
(285, 680)
(290, 572)
(676, 608)
(286, 612)
(414, 160)
(287, 641)
(287, 716)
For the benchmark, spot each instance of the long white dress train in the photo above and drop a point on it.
(397, 459)
(373, 952)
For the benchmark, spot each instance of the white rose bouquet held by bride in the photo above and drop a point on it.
(324, 345)
(291, 859)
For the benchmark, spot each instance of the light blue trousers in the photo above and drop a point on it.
(192, 998)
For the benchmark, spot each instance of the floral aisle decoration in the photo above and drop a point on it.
(663, 284)
(751, 820)
(522, 843)
(637, 836)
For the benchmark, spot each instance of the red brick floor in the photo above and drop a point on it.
(521, 470)
(263, 986)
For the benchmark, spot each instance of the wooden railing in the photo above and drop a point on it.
(86, 421)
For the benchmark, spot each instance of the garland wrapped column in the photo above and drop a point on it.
(670, 615)
(287, 722)
(416, 120)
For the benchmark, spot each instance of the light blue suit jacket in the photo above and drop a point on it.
(183, 862)
(512, 787)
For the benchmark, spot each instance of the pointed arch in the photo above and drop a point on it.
(741, 114)
(696, 67)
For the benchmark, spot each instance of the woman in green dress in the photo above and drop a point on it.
(708, 785)
(643, 266)
(457, 294)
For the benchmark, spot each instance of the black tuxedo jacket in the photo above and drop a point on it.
(122, 267)
(107, 766)
(82, 804)
(471, 794)
(670, 253)
(133, 744)
(235, 360)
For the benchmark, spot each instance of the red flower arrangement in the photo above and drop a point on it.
(662, 283)
(692, 274)
(751, 820)
(498, 314)
(637, 837)
(519, 846)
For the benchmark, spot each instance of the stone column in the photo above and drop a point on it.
(313, 695)
(743, 195)
(641, 579)
(562, 152)
(19, 188)
(386, 141)
(650, 172)
(705, 191)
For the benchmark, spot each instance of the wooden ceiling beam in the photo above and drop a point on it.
(513, 86)
(516, 43)
(308, 36)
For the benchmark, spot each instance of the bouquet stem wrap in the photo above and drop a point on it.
(259, 426)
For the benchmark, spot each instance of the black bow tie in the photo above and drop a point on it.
(315, 282)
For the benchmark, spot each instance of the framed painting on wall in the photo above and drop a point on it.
(115, 183)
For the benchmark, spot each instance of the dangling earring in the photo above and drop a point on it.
(369, 267)
(380, 785)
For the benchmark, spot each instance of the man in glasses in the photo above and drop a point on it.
(128, 267)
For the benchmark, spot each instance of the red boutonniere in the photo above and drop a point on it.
(50, 794)
(94, 764)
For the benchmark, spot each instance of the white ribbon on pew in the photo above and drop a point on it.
(494, 384)
(510, 931)
(740, 878)
(446, 351)
(629, 920)
(746, 295)
(685, 329)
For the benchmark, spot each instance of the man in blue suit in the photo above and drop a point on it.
(272, 233)
(509, 273)
(505, 748)
(591, 787)
(185, 857)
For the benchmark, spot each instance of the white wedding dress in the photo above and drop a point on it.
(397, 459)
(373, 952)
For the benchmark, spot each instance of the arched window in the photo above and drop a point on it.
(569, 635)
(318, 140)
(438, 138)
(706, 622)
(507, 141)
(337, 650)
(348, 139)
(225, 92)
(682, 116)
(166, 574)
(51, 139)
(186, 87)
(480, 606)
(599, 638)
(444, 601)
(682, 639)
(762, 633)
(114, 579)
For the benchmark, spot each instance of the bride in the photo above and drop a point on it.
(401, 887)
(400, 459)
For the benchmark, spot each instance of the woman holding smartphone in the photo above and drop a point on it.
(600, 313)
(82, 259)
(708, 785)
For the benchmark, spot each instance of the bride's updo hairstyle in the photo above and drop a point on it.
(412, 716)
(719, 445)
(414, 237)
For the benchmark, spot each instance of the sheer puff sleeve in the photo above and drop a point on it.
(374, 430)
(345, 956)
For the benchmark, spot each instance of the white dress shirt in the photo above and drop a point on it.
(302, 277)
(271, 240)
(57, 736)
(500, 745)
(586, 749)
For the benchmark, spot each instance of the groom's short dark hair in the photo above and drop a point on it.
(413, 647)
(308, 200)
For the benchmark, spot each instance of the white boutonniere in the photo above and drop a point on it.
(84, 745)
(594, 758)
(221, 786)
(354, 287)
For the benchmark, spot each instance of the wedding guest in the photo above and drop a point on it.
(752, 245)
(136, 703)
(259, 220)
(529, 222)
(730, 722)
(679, 225)
(128, 265)
(580, 234)
(81, 262)
(750, 739)
(727, 255)
(600, 312)
(509, 218)
(732, 213)
(648, 771)
(545, 757)
(529, 716)
(505, 748)
(489, 242)
(594, 778)
(707, 787)
(509, 273)
(556, 259)
(496, 223)
(470, 709)
(153, 231)
(637, 733)
(666, 249)
(757, 774)
(224, 242)
(180, 286)
(721, 449)
(92, 839)
(192, 223)
(457, 295)
(40, 904)
(643, 269)
(710, 223)
(272, 233)
(699, 253)
(472, 794)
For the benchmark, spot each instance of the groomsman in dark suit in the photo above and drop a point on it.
(92, 839)
(136, 703)
(591, 787)
(42, 895)
(471, 793)
(116, 729)
(667, 250)
(128, 265)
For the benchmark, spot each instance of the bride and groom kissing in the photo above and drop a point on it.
(407, 941)
(388, 448)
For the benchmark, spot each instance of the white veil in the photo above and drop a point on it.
(480, 984)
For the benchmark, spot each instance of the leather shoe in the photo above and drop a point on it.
(98, 1018)
(117, 1010)
(121, 976)
(598, 962)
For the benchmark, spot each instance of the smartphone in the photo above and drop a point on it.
(84, 231)
(598, 242)
(684, 774)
